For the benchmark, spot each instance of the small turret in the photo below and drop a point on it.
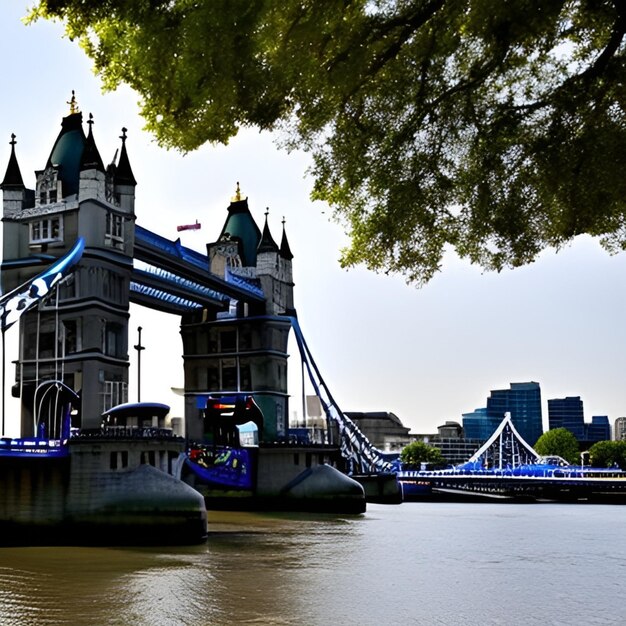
(92, 176)
(274, 272)
(15, 195)
(286, 258)
(122, 180)
(285, 250)
(91, 159)
(267, 245)
(13, 175)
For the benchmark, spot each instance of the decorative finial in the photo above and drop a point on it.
(90, 121)
(12, 142)
(283, 221)
(123, 135)
(267, 212)
(237, 196)
(73, 104)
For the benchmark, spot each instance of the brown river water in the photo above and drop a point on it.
(415, 563)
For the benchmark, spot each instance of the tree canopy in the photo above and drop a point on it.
(418, 452)
(608, 454)
(560, 442)
(492, 127)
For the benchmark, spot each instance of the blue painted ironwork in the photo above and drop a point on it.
(186, 274)
(22, 298)
(182, 304)
(505, 448)
(362, 457)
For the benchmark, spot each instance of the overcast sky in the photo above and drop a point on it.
(428, 355)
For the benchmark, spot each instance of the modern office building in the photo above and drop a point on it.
(567, 413)
(599, 429)
(521, 400)
(619, 428)
(479, 425)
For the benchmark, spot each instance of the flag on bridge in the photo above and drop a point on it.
(196, 226)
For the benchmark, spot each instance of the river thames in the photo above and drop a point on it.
(415, 563)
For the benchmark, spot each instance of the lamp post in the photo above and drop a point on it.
(582, 458)
(139, 348)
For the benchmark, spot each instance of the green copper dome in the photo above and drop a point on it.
(240, 225)
(68, 151)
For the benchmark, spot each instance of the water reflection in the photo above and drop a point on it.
(246, 573)
(418, 564)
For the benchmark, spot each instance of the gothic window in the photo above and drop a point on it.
(228, 340)
(229, 374)
(46, 230)
(113, 392)
(222, 375)
(245, 376)
(70, 336)
(112, 287)
(114, 234)
(113, 340)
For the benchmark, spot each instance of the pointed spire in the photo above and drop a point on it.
(13, 176)
(285, 250)
(124, 173)
(90, 158)
(267, 243)
(237, 197)
(73, 104)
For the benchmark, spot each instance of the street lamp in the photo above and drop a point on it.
(139, 348)
(582, 458)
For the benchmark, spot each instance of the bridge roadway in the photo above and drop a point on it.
(169, 277)
(604, 488)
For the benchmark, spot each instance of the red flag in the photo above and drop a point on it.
(196, 226)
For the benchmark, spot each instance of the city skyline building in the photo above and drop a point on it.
(567, 413)
(619, 428)
(599, 429)
(478, 425)
(521, 400)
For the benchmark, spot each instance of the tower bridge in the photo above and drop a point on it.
(235, 302)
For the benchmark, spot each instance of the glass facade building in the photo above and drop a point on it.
(567, 413)
(478, 425)
(521, 400)
(599, 429)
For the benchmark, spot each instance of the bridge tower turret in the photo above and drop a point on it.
(242, 351)
(80, 333)
(274, 272)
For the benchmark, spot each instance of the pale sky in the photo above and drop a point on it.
(428, 355)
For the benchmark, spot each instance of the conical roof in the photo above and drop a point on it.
(285, 250)
(67, 152)
(267, 243)
(124, 173)
(90, 158)
(240, 225)
(13, 176)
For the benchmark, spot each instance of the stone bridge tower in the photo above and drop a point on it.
(79, 334)
(243, 351)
